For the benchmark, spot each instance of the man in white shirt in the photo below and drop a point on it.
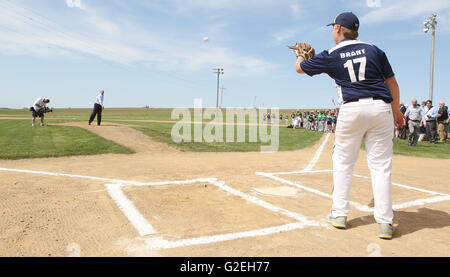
(98, 108)
(39, 109)
(414, 116)
(430, 114)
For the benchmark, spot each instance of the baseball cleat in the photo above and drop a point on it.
(385, 231)
(339, 222)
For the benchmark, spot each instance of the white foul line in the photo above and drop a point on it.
(408, 187)
(66, 175)
(122, 182)
(316, 158)
(421, 202)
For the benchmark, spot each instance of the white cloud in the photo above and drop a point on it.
(26, 33)
(75, 4)
(406, 9)
(296, 9)
(286, 34)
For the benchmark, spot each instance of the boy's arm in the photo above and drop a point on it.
(392, 84)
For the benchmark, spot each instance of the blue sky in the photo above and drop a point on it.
(153, 53)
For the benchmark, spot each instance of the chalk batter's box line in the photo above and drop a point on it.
(156, 243)
(437, 196)
(144, 228)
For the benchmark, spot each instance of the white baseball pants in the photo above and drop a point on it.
(372, 120)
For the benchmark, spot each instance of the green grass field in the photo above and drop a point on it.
(423, 149)
(64, 115)
(108, 114)
(19, 140)
(289, 139)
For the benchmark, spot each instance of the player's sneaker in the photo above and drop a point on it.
(385, 230)
(42, 124)
(32, 125)
(339, 222)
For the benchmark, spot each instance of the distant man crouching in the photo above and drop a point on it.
(39, 109)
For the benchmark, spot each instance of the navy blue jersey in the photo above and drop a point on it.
(358, 68)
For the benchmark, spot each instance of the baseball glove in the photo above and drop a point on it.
(303, 50)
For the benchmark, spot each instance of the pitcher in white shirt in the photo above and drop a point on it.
(98, 108)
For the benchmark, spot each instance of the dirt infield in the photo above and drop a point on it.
(164, 202)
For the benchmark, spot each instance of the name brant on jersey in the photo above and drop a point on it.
(358, 68)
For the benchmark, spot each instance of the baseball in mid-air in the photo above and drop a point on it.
(205, 39)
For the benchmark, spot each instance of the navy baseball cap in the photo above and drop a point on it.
(348, 20)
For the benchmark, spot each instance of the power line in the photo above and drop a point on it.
(40, 25)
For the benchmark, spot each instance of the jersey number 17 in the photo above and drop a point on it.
(351, 70)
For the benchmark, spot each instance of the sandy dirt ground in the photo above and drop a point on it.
(45, 215)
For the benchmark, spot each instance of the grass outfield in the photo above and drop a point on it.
(64, 115)
(289, 139)
(19, 140)
(422, 149)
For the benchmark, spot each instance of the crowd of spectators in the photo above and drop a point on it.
(320, 121)
(424, 122)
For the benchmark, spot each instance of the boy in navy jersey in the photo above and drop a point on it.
(369, 96)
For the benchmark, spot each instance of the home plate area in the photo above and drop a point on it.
(189, 207)
(209, 211)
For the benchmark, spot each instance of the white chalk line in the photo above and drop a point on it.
(66, 175)
(121, 182)
(129, 210)
(262, 203)
(297, 185)
(355, 175)
(364, 208)
(144, 228)
(358, 206)
(421, 202)
(409, 187)
(316, 157)
(158, 243)
(308, 170)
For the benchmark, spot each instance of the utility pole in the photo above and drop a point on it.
(218, 71)
(431, 23)
(221, 97)
(254, 102)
